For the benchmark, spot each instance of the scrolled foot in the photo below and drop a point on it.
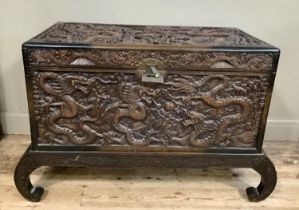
(268, 180)
(23, 170)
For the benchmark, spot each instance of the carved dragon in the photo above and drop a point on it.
(69, 108)
(133, 109)
(200, 123)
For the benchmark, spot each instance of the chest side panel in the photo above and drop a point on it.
(190, 110)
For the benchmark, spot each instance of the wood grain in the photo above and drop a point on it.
(153, 188)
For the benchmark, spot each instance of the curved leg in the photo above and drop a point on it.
(268, 174)
(25, 167)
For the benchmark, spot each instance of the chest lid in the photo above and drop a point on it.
(129, 46)
(152, 37)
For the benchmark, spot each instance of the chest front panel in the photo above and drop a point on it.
(115, 109)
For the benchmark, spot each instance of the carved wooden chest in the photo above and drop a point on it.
(125, 96)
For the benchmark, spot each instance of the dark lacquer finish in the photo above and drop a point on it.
(147, 96)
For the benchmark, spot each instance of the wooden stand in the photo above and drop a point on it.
(32, 160)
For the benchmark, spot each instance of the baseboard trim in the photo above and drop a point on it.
(282, 130)
(16, 123)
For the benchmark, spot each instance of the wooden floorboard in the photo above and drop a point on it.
(155, 188)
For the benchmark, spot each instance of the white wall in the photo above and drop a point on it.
(275, 21)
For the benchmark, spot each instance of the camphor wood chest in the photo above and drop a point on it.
(150, 96)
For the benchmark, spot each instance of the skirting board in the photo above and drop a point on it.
(15, 123)
(282, 130)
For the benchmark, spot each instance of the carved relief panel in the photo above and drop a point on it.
(86, 33)
(132, 59)
(117, 108)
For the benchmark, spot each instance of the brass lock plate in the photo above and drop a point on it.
(151, 71)
(152, 74)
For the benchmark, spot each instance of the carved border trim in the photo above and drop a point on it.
(134, 58)
(199, 160)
